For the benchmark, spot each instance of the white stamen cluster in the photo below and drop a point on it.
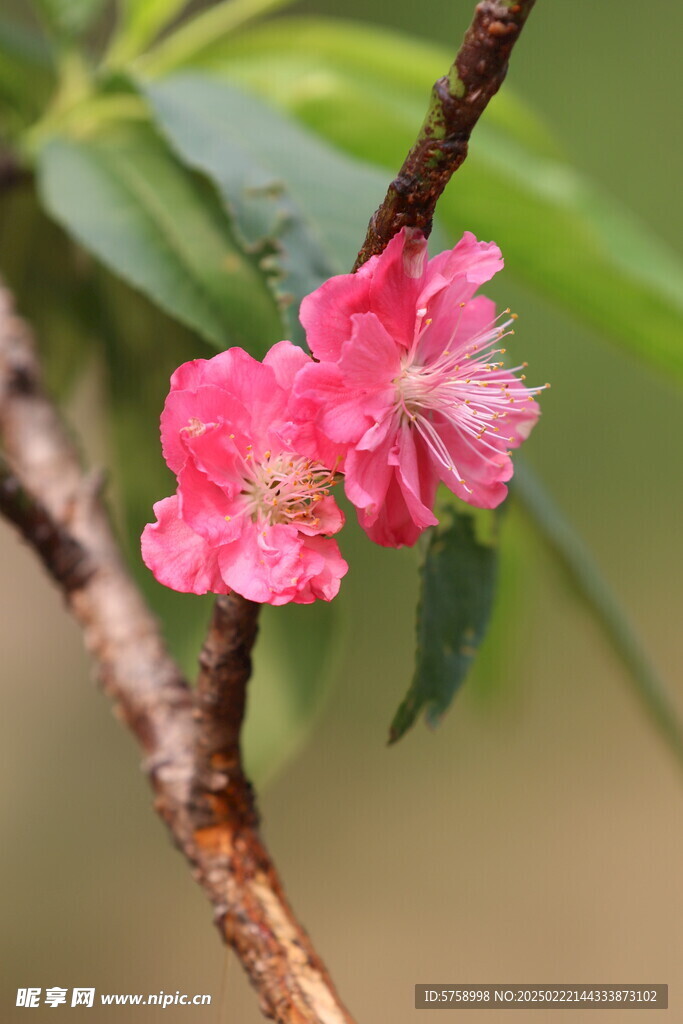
(464, 388)
(285, 488)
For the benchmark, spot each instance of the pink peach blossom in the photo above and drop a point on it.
(408, 389)
(251, 512)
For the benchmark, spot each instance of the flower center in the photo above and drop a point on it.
(285, 488)
(464, 389)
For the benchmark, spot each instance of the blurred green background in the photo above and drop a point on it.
(537, 836)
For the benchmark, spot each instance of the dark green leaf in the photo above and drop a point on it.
(367, 91)
(288, 192)
(458, 584)
(123, 196)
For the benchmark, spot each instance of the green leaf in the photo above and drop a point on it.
(191, 40)
(579, 563)
(138, 23)
(286, 190)
(458, 580)
(304, 60)
(364, 92)
(71, 17)
(121, 194)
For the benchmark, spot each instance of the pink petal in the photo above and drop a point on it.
(453, 327)
(263, 564)
(329, 519)
(178, 557)
(417, 479)
(367, 477)
(208, 509)
(396, 284)
(484, 472)
(341, 414)
(186, 412)
(285, 360)
(393, 527)
(324, 584)
(370, 359)
(470, 259)
(306, 438)
(326, 313)
(220, 454)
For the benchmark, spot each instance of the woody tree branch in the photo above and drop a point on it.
(458, 100)
(191, 742)
(191, 747)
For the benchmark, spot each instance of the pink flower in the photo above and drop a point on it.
(408, 389)
(251, 512)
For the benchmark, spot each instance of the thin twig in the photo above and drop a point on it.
(221, 787)
(193, 765)
(458, 100)
(192, 746)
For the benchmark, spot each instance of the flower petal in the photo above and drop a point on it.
(208, 509)
(186, 411)
(455, 327)
(396, 284)
(417, 479)
(370, 359)
(326, 313)
(179, 557)
(341, 414)
(285, 360)
(393, 527)
(367, 477)
(470, 259)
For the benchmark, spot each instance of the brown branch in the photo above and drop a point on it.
(192, 749)
(221, 787)
(192, 745)
(458, 101)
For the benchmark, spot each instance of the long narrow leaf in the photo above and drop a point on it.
(560, 234)
(458, 581)
(123, 196)
(577, 560)
(285, 189)
(189, 42)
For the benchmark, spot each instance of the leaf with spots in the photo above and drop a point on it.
(458, 580)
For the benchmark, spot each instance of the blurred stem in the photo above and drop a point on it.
(576, 558)
(191, 744)
(458, 100)
(194, 36)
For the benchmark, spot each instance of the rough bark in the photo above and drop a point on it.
(191, 745)
(458, 101)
